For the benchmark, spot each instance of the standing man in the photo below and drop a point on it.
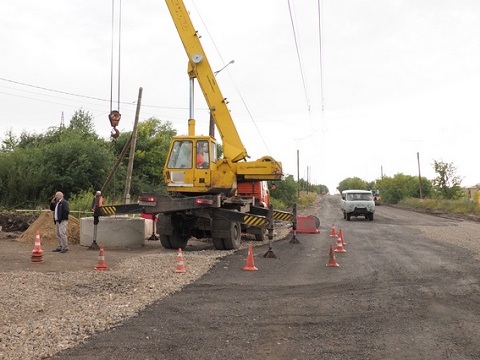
(60, 209)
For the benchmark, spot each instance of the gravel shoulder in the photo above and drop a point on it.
(61, 302)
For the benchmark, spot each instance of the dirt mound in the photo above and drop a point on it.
(12, 221)
(44, 224)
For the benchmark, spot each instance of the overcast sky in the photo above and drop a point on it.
(400, 77)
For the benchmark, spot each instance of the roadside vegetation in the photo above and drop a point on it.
(442, 194)
(75, 160)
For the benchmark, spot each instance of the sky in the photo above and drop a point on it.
(331, 88)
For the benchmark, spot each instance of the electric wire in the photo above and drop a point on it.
(320, 13)
(80, 96)
(231, 78)
(295, 36)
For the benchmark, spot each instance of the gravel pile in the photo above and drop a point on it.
(43, 314)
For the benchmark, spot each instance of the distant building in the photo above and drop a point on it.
(472, 191)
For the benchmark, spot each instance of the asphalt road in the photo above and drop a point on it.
(397, 294)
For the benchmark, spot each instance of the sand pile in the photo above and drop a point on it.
(44, 224)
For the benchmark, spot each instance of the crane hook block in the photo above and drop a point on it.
(114, 118)
(115, 133)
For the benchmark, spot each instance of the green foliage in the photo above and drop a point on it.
(82, 121)
(306, 186)
(285, 193)
(447, 183)
(396, 188)
(63, 159)
(353, 183)
(151, 149)
(306, 199)
(74, 160)
(9, 142)
(460, 206)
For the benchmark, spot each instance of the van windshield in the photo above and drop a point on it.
(359, 197)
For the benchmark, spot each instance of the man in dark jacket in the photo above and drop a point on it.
(60, 209)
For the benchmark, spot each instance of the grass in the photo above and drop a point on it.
(461, 206)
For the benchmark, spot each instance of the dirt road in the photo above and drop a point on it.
(407, 288)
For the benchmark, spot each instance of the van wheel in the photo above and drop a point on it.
(349, 216)
(344, 215)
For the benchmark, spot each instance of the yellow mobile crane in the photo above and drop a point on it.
(221, 175)
(202, 189)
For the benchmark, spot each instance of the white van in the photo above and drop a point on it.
(357, 203)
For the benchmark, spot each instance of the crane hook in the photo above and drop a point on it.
(114, 118)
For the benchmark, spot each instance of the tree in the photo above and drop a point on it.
(285, 193)
(354, 183)
(82, 121)
(151, 150)
(10, 141)
(447, 184)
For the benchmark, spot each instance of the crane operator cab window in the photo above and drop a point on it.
(181, 156)
(203, 158)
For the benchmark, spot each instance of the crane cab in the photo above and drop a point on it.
(191, 167)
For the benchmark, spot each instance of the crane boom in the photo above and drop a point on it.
(192, 166)
(199, 68)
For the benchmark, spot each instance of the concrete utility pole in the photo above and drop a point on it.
(133, 145)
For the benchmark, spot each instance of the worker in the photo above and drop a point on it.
(202, 155)
(97, 203)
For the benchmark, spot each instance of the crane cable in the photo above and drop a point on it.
(115, 115)
(112, 54)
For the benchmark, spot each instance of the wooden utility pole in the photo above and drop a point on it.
(133, 146)
(419, 176)
(298, 174)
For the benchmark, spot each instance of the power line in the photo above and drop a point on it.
(320, 13)
(298, 56)
(51, 90)
(77, 95)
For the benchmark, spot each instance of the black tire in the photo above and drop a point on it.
(234, 241)
(165, 241)
(178, 241)
(218, 243)
(370, 217)
(228, 231)
(170, 238)
(261, 235)
(164, 229)
(348, 217)
(344, 215)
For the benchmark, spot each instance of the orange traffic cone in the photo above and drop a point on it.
(332, 262)
(340, 248)
(37, 252)
(180, 267)
(101, 260)
(249, 266)
(340, 236)
(333, 233)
